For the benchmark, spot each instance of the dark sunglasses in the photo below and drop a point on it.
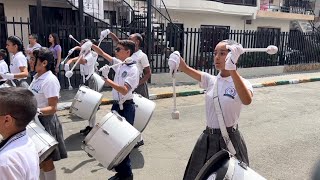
(118, 49)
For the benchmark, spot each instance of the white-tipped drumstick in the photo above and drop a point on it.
(175, 113)
(270, 49)
(70, 87)
(71, 37)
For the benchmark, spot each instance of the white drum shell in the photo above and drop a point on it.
(44, 142)
(144, 111)
(241, 173)
(98, 79)
(111, 140)
(85, 103)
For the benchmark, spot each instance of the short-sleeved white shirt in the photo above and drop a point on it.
(231, 104)
(19, 160)
(88, 68)
(3, 68)
(125, 74)
(18, 60)
(44, 87)
(141, 60)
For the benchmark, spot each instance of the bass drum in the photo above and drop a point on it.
(223, 165)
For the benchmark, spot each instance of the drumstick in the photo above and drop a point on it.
(175, 114)
(71, 37)
(70, 87)
(270, 49)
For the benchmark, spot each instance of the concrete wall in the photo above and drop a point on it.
(195, 20)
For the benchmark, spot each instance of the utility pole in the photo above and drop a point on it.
(81, 18)
(149, 29)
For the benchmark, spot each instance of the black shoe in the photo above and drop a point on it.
(118, 177)
(140, 143)
(86, 130)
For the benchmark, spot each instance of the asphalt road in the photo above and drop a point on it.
(281, 128)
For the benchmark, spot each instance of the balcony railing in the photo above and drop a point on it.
(238, 2)
(296, 7)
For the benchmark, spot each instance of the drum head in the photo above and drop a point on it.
(216, 167)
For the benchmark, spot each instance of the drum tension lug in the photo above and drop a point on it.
(106, 132)
(243, 165)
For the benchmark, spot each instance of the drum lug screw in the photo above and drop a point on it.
(106, 132)
(243, 165)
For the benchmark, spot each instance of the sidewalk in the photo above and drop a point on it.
(164, 90)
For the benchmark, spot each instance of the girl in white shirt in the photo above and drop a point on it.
(233, 92)
(3, 65)
(18, 65)
(46, 88)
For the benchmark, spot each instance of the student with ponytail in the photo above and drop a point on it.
(18, 65)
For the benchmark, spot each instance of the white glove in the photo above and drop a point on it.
(69, 74)
(71, 51)
(174, 61)
(85, 48)
(104, 34)
(232, 58)
(7, 76)
(66, 67)
(105, 71)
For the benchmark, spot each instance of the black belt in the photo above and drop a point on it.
(130, 101)
(218, 131)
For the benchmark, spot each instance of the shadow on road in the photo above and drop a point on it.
(137, 159)
(74, 141)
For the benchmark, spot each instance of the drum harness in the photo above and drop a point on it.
(224, 132)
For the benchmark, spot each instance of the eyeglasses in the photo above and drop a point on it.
(118, 49)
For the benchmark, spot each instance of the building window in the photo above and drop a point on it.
(211, 35)
(112, 16)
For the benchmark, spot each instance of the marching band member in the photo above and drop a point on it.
(19, 65)
(19, 158)
(233, 92)
(46, 88)
(3, 65)
(87, 67)
(125, 81)
(143, 66)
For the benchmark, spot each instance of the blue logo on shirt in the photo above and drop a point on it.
(230, 92)
(124, 74)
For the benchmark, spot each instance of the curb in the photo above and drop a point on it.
(105, 101)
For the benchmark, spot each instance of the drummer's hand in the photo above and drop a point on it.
(232, 58)
(66, 67)
(174, 61)
(105, 71)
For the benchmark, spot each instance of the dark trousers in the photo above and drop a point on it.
(128, 112)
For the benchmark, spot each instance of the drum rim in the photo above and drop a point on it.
(95, 108)
(50, 149)
(132, 141)
(219, 156)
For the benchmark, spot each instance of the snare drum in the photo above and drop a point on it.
(44, 142)
(85, 103)
(223, 165)
(111, 140)
(98, 82)
(144, 111)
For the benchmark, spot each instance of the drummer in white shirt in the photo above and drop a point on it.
(18, 65)
(87, 67)
(143, 66)
(3, 65)
(19, 158)
(233, 92)
(46, 87)
(125, 81)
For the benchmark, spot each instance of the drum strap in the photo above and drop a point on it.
(222, 125)
(231, 168)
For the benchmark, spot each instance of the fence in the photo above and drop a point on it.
(196, 45)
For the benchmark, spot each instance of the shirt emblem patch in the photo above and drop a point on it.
(124, 74)
(230, 92)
